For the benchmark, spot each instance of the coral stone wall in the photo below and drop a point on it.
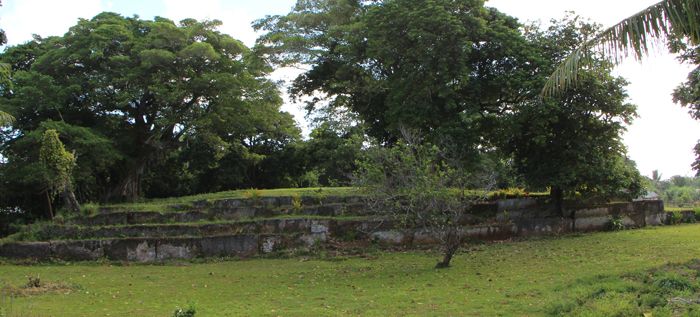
(150, 236)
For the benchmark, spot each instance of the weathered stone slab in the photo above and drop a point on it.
(26, 250)
(687, 216)
(592, 224)
(88, 250)
(175, 249)
(390, 237)
(239, 245)
(593, 212)
(515, 204)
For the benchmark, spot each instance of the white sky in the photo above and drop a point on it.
(661, 138)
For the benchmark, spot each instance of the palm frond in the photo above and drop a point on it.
(6, 118)
(635, 35)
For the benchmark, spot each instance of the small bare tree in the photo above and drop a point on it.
(419, 187)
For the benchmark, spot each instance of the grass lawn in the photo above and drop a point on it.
(526, 278)
(161, 204)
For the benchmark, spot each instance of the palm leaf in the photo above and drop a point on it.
(6, 118)
(635, 35)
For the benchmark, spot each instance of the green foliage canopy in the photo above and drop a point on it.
(572, 142)
(141, 102)
(439, 66)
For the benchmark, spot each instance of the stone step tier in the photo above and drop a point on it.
(113, 217)
(125, 235)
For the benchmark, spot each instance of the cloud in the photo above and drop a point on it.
(23, 18)
(236, 21)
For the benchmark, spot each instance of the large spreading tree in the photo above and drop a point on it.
(129, 94)
(5, 118)
(466, 76)
(440, 66)
(572, 142)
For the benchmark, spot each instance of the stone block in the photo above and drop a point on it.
(33, 250)
(592, 224)
(174, 249)
(390, 237)
(236, 245)
(688, 216)
(515, 204)
(144, 251)
(270, 244)
(88, 250)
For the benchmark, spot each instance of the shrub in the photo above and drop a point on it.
(33, 282)
(296, 203)
(253, 194)
(419, 186)
(672, 283)
(616, 223)
(179, 312)
(89, 209)
(512, 192)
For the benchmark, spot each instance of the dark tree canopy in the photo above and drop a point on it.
(158, 108)
(573, 142)
(142, 92)
(456, 70)
(440, 66)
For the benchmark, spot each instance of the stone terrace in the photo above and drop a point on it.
(249, 227)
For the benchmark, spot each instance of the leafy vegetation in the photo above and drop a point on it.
(671, 290)
(129, 110)
(673, 23)
(189, 312)
(158, 108)
(58, 164)
(677, 191)
(688, 93)
(170, 102)
(529, 277)
(414, 185)
(572, 142)
(164, 204)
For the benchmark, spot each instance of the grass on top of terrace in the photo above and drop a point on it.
(163, 204)
(621, 273)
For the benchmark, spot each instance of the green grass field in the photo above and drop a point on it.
(161, 204)
(526, 278)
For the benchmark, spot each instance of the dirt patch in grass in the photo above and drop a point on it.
(35, 286)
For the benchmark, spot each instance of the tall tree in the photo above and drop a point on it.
(440, 66)
(151, 87)
(572, 142)
(5, 118)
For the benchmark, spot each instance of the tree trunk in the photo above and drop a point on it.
(69, 199)
(557, 195)
(450, 247)
(129, 189)
(49, 205)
